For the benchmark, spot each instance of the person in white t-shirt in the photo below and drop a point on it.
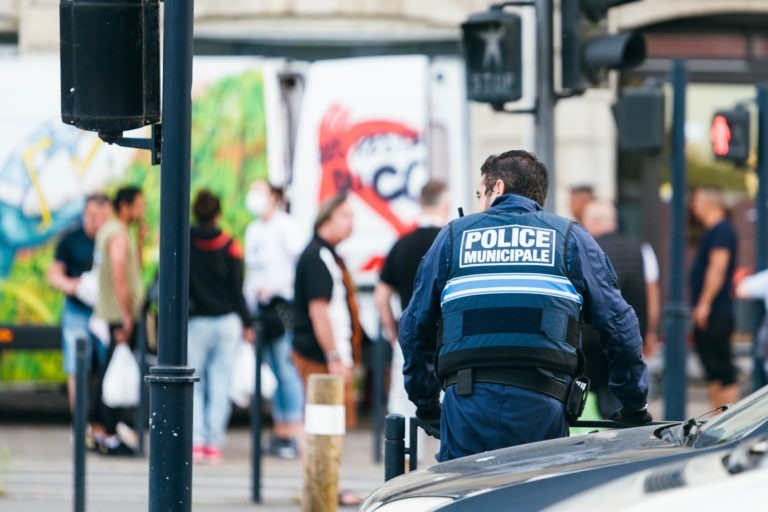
(756, 287)
(273, 243)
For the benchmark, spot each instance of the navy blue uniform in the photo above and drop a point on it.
(509, 292)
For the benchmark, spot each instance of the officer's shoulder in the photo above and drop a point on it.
(466, 220)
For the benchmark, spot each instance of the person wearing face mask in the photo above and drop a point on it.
(273, 243)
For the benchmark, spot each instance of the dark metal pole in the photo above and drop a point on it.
(141, 409)
(545, 106)
(761, 237)
(256, 414)
(170, 456)
(81, 406)
(379, 366)
(676, 311)
(394, 446)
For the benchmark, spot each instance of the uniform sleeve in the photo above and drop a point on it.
(418, 329)
(610, 315)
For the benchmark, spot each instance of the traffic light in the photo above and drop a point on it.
(729, 134)
(493, 54)
(586, 50)
(110, 64)
(639, 116)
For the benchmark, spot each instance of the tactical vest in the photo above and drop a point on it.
(507, 301)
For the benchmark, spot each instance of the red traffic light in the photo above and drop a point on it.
(720, 135)
(730, 134)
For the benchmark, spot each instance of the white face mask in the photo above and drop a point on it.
(256, 203)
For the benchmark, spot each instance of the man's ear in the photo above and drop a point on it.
(500, 187)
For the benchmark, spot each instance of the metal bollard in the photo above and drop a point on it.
(256, 415)
(394, 446)
(81, 406)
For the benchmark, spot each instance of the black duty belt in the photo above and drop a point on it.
(527, 378)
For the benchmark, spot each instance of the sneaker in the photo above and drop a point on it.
(198, 453)
(119, 450)
(128, 435)
(284, 448)
(212, 454)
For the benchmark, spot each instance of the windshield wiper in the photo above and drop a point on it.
(691, 429)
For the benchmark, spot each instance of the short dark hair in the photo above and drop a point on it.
(583, 189)
(520, 171)
(98, 197)
(125, 195)
(432, 192)
(327, 208)
(206, 207)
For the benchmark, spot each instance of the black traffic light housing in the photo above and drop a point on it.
(730, 135)
(110, 65)
(492, 44)
(640, 118)
(587, 51)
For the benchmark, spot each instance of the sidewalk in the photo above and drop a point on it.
(36, 471)
(36, 475)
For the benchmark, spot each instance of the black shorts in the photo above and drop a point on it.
(714, 347)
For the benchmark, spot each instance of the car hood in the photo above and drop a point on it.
(547, 459)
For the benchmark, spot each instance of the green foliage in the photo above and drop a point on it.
(704, 173)
(228, 153)
(32, 365)
(229, 144)
(27, 298)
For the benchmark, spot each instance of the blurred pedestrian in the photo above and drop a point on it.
(120, 297)
(397, 277)
(273, 243)
(328, 336)
(637, 270)
(578, 198)
(218, 320)
(711, 281)
(70, 272)
(755, 287)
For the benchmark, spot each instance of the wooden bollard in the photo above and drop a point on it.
(324, 425)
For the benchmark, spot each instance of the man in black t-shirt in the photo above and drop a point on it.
(711, 281)
(72, 259)
(397, 276)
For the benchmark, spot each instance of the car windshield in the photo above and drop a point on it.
(743, 418)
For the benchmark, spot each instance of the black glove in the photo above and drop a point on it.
(429, 417)
(641, 417)
(429, 412)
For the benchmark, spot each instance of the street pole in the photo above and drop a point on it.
(171, 381)
(545, 107)
(676, 312)
(761, 237)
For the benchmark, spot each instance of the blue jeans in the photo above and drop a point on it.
(74, 325)
(288, 401)
(211, 348)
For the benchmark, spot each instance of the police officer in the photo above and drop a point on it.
(499, 299)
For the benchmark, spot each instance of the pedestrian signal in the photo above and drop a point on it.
(729, 134)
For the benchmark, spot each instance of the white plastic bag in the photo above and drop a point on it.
(122, 379)
(243, 381)
(88, 287)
